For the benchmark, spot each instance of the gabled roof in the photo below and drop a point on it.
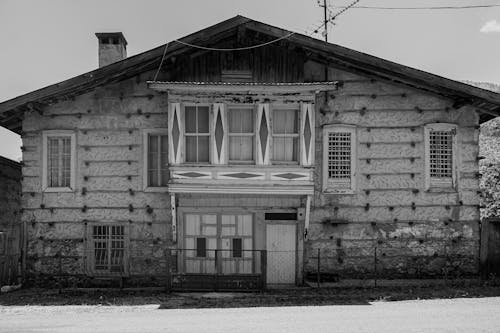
(486, 101)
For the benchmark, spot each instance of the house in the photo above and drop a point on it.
(11, 228)
(231, 157)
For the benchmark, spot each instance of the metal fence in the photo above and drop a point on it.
(210, 269)
(377, 262)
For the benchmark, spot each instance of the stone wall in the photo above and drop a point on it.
(392, 226)
(108, 124)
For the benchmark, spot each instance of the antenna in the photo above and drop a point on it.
(325, 19)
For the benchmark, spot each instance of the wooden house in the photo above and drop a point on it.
(233, 156)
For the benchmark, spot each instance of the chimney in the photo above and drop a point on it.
(112, 47)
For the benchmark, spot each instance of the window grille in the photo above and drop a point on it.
(157, 160)
(197, 134)
(339, 158)
(108, 248)
(59, 161)
(285, 135)
(241, 135)
(440, 154)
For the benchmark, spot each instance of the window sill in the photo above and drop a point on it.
(338, 191)
(161, 189)
(58, 189)
(441, 190)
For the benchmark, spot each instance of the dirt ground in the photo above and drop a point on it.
(346, 295)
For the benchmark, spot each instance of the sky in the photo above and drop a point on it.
(46, 41)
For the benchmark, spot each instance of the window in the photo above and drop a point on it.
(440, 155)
(201, 247)
(156, 173)
(237, 248)
(58, 161)
(197, 134)
(285, 135)
(339, 159)
(108, 249)
(241, 135)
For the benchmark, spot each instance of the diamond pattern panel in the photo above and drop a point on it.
(242, 175)
(263, 134)
(289, 175)
(307, 135)
(175, 133)
(219, 134)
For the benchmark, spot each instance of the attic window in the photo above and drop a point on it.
(236, 76)
(105, 40)
(116, 41)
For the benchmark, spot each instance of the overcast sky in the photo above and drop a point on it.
(46, 41)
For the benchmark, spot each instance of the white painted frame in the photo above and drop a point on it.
(436, 185)
(293, 107)
(339, 128)
(59, 133)
(211, 140)
(145, 148)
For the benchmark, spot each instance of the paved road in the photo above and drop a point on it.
(457, 315)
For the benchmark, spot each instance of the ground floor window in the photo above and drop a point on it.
(107, 249)
(218, 243)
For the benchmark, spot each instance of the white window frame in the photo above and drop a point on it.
(59, 133)
(297, 136)
(229, 108)
(185, 134)
(145, 145)
(328, 186)
(436, 184)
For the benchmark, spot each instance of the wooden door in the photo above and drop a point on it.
(236, 243)
(281, 253)
(200, 243)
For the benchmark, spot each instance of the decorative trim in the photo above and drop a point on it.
(221, 189)
(175, 133)
(248, 87)
(263, 135)
(307, 135)
(219, 134)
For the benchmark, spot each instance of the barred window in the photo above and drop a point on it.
(108, 245)
(440, 155)
(339, 158)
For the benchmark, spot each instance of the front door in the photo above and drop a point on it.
(281, 253)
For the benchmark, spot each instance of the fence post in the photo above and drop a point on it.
(318, 277)
(168, 264)
(375, 265)
(263, 269)
(216, 261)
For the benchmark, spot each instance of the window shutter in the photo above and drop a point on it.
(307, 126)
(263, 135)
(219, 134)
(175, 133)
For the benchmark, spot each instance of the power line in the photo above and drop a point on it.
(421, 8)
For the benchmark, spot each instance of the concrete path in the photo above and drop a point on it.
(450, 315)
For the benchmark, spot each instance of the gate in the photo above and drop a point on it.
(10, 255)
(490, 247)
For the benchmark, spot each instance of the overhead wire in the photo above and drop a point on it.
(423, 8)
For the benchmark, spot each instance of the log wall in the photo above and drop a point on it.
(412, 232)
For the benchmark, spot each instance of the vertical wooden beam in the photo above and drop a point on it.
(173, 210)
